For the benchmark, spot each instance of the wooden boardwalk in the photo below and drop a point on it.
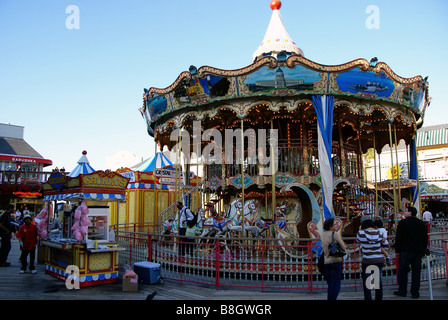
(41, 286)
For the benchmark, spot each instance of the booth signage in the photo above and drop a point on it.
(57, 180)
(104, 182)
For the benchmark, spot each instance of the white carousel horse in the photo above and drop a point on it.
(232, 219)
(249, 213)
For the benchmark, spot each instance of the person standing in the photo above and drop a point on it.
(27, 236)
(5, 234)
(411, 243)
(372, 242)
(191, 233)
(332, 265)
(427, 216)
(185, 215)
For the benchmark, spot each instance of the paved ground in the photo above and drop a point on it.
(40, 286)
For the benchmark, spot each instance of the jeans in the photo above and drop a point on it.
(181, 244)
(379, 285)
(405, 260)
(333, 273)
(24, 257)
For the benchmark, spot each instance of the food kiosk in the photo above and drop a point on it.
(82, 238)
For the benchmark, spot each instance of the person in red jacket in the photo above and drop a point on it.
(27, 236)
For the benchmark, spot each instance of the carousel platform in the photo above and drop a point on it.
(41, 286)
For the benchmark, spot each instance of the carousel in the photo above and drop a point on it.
(282, 140)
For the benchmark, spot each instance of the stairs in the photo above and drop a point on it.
(171, 211)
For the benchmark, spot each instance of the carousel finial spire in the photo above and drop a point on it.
(276, 4)
(276, 38)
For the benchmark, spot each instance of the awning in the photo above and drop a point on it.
(14, 158)
(85, 195)
(434, 196)
(390, 184)
(147, 186)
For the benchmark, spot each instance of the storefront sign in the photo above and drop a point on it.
(112, 181)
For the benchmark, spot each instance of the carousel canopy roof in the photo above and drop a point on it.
(83, 166)
(159, 161)
(281, 83)
(277, 38)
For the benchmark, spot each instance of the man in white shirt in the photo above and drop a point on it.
(427, 216)
(185, 215)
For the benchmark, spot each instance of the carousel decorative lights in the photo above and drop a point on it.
(325, 118)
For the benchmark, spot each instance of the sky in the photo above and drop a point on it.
(76, 87)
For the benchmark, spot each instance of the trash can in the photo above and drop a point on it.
(148, 272)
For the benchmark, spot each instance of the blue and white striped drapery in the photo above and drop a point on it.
(413, 174)
(323, 104)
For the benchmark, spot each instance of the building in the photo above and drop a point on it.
(432, 152)
(21, 169)
(432, 155)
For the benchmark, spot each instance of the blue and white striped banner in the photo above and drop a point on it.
(323, 104)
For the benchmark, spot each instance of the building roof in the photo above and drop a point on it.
(432, 135)
(18, 150)
(277, 38)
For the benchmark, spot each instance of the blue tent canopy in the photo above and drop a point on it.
(83, 167)
(159, 162)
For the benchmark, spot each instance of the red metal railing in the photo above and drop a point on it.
(257, 263)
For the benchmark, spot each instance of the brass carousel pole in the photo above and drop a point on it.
(197, 176)
(176, 195)
(179, 195)
(272, 171)
(156, 214)
(374, 168)
(242, 176)
(398, 170)
(393, 179)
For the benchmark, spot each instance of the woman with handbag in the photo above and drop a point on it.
(333, 263)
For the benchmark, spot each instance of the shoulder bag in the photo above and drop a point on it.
(334, 248)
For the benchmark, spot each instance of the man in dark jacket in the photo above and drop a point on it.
(5, 234)
(411, 243)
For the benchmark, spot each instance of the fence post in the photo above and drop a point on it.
(310, 267)
(217, 259)
(446, 259)
(149, 248)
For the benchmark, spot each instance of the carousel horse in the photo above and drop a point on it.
(231, 220)
(249, 212)
(279, 220)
